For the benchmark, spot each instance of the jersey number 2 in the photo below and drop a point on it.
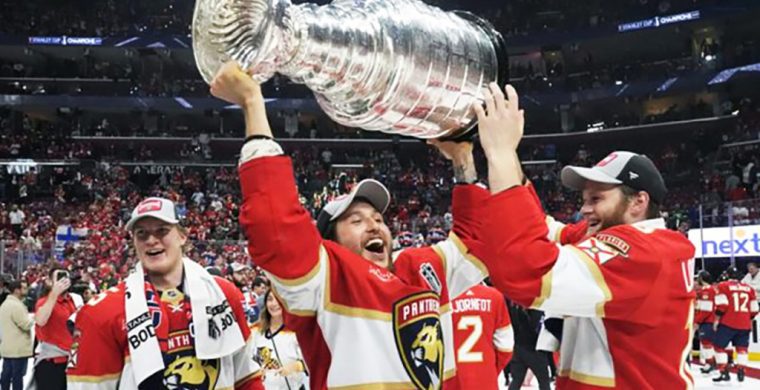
(465, 353)
(741, 307)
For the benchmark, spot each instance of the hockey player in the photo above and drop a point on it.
(169, 325)
(483, 338)
(735, 307)
(626, 291)
(704, 317)
(362, 320)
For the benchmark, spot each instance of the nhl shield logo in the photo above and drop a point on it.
(419, 339)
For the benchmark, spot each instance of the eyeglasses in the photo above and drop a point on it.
(159, 233)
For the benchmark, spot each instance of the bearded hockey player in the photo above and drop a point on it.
(362, 320)
(626, 291)
(169, 325)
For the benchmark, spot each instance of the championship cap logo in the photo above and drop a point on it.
(149, 205)
(419, 339)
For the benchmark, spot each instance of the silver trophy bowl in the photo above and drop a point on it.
(396, 66)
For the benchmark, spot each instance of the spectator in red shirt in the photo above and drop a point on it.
(51, 315)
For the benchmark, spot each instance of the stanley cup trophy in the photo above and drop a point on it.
(396, 66)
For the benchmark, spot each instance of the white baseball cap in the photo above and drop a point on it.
(370, 190)
(159, 208)
(237, 267)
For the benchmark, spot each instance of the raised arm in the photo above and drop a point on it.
(608, 275)
(460, 252)
(281, 236)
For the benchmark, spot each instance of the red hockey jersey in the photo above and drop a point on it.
(705, 307)
(626, 294)
(736, 302)
(359, 324)
(100, 354)
(483, 338)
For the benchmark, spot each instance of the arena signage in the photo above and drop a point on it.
(155, 169)
(66, 41)
(659, 21)
(744, 241)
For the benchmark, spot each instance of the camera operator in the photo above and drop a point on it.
(52, 312)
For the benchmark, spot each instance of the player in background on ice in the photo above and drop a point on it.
(735, 307)
(704, 317)
(483, 338)
(626, 291)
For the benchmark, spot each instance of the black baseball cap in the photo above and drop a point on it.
(625, 168)
(369, 190)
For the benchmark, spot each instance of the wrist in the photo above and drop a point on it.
(465, 173)
(462, 159)
(256, 123)
(252, 102)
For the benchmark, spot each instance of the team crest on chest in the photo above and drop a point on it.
(419, 339)
(191, 373)
(185, 371)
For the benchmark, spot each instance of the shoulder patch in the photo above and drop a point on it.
(428, 273)
(615, 242)
(598, 251)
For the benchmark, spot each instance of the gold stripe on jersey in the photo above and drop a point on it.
(351, 311)
(546, 290)
(596, 273)
(321, 262)
(467, 255)
(300, 313)
(306, 278)
(588, 379)
(551, 223)
(251, 376)
(438, 251)
(92, 378)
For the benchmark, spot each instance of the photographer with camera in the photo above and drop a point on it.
(53, 309)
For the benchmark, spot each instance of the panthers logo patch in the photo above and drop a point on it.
(419, 339)
(190, 373)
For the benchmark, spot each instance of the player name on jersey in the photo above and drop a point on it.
(472, 304)
(739, 287)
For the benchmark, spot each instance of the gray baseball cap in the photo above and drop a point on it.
(368, 189)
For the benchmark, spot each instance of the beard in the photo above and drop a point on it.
(616, 217)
